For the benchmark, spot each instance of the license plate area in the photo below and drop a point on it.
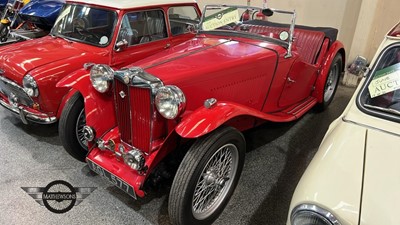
(121, 184)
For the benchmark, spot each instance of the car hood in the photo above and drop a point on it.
(17, 60)
(209, 67)
(333, 179)
(381, 196)
(205, 54)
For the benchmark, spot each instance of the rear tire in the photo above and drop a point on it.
(70, 127)
(207, 177)
(332, 82)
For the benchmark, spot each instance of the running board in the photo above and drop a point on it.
(297, 110)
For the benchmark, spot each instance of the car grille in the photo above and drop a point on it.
(7, 87)
(134, 114)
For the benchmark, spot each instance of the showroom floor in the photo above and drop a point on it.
(32, 156)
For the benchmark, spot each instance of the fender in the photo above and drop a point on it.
(74, 79)
(203, 120)
(336, 47)
(68, 82)
(99, 107)
(64, 101)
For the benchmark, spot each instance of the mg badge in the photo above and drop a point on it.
(122, 94)
(126, 78)
(13, 99)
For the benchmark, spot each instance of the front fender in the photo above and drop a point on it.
(99, 107)
(204, 120)
(336, 47)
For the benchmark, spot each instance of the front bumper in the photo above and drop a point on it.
(14, 98)
(27, 114)
(112, 168)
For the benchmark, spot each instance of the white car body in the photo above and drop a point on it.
(354, 178)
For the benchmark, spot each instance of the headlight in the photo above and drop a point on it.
(30, 86)
(170, 101)
(101, 77)
(308, 214)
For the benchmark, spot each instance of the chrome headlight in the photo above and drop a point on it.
(308, 214)
(101, 77)
(30, 86)
(170, 101)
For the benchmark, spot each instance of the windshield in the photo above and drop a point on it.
(86, 24)
(248, 20)
(381, 93)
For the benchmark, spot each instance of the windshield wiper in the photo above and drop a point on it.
(57, 36)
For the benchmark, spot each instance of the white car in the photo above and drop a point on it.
(354, 178)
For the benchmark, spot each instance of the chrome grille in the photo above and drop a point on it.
(134, 110)
(7, 87)
(123, 111)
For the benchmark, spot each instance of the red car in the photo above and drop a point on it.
(196, 98)
(35, 76)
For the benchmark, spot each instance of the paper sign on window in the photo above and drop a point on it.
(221, 18)
(385, 81)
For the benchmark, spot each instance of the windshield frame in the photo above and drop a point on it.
(376, 111)
(53, 33)
(285, 44)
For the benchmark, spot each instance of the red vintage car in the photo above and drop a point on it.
(34, 81)
(196, 98)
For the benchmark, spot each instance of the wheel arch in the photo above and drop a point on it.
(65, 99)
(336, 48)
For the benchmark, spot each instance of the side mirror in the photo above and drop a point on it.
(121, 45)
(267, 12)
(358, 66)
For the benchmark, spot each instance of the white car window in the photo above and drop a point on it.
(381, 93)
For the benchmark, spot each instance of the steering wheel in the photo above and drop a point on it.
(80, 25)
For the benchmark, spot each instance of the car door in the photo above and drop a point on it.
(299, 83)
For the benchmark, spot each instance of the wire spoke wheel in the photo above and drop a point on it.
(80, 123)
(207, 177)
(215, 181)
(70, 127)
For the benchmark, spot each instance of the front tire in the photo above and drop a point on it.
(207, 177)
(70, 127)
(332, 82)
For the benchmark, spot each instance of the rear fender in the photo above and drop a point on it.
(336, 48)
(204, 120)
(99, 107)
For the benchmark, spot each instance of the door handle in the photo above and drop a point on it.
(290, 80)
(167, 46)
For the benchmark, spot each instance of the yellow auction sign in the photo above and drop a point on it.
(222, 18)
(385, 81)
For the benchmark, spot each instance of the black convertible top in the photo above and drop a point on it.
(330, 32)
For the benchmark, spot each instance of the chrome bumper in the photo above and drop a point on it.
(26, 115)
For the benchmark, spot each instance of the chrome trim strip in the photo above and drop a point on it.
(37, 118)
(12, 83)
(315, 209)
(368, 127)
